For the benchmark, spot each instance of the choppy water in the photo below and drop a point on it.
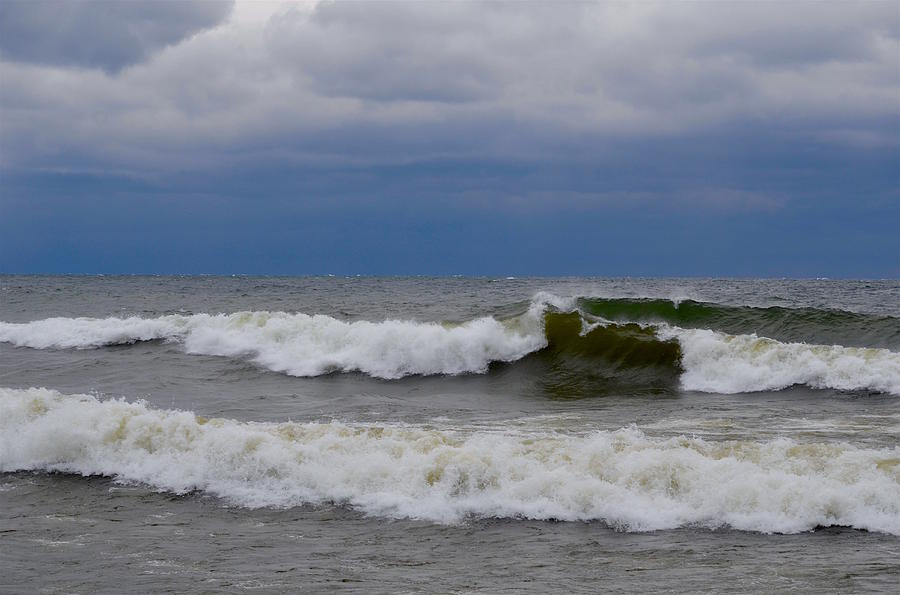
(449, 434)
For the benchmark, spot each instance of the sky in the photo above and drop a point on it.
(730, 139)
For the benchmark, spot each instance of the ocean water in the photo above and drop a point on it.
(449, 434)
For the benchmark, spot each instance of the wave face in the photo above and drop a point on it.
(583, 358)
(626, 479)
(586, 346)
(809, 325)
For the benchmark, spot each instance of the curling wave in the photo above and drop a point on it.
(585, 347)
(626, 479)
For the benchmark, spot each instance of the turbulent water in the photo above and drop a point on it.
(707, 412)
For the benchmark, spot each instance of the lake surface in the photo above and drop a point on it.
(449, 434)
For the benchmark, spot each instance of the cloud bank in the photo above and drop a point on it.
(398, 81)
(517, 107)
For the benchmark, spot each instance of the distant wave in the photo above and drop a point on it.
(588, 341)
(626, 479)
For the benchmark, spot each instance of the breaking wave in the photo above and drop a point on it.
(625, 478)
(303, 345)
(582, 343)
(720, 363)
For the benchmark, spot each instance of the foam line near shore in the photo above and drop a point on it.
(625, 478)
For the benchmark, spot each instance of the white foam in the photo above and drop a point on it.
(624, 478)
(83, 333)
(721, 363)
(303, 345)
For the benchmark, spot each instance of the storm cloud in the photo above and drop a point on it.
(100, 33)
(526, 107)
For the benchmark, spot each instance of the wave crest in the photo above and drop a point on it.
(810, 325)
(624, 478)
(584, 353)
(304, 345)
(720, 363)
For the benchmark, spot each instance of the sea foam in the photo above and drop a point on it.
(720, 363)
(625, 478)
(310, 345)
(304, 345)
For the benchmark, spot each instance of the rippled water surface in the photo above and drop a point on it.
(449, 434)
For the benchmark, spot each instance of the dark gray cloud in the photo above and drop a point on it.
(401, 82)
(105, 34)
